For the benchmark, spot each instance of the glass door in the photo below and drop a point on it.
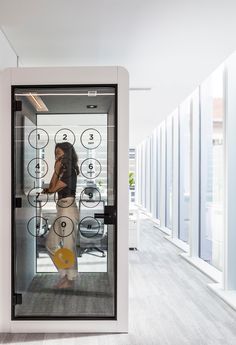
(64, 202)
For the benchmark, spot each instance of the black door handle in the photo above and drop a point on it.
(109, 215)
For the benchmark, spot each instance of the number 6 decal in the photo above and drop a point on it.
(90, 168)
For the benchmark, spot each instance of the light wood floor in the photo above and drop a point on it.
(170, 304)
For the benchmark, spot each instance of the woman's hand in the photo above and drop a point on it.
(45, 191)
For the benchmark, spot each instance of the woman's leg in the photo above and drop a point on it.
(68, 223)
(65, 225)
(69, 242)
(53, 241)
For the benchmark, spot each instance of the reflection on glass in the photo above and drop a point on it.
(52, 122)
(158, 172)
(132, 177)
(169, 174)
(212, 163)
(184, 170)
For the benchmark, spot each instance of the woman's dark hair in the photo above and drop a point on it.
(69, 153)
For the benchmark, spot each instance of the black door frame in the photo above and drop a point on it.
(15, 299)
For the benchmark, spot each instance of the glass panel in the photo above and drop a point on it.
(158, 170)
(153, 174)
(132, 177)
(143, 176)
(184, 170)
(169, 173)
(212, 165)
(148, 174)
(59, 224)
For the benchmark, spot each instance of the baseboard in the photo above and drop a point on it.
(204, 267)
(178, 243)
(228, 296)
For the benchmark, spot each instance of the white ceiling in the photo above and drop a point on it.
(169, 45)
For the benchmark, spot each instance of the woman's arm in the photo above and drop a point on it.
(55, 183)
(55, 187)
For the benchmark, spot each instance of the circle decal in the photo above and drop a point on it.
(36, 198)
(63, 226)
(66, 167)
(37, 226)
(90, 138)
(89, 227)
(64, 258)
(64, 135)
(37, 168)
(90, 197)
(63, 203)
(90, 168)
(38, 138)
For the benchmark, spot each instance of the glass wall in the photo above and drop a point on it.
(56, 225)
(169, 172)
(132, 176)
(199, 193)
(158, 172)
(184, 169)
(148, 174)
(212, 165)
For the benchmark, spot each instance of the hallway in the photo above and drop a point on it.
(157, 275)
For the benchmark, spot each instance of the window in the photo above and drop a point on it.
(212, 164)
(169, 173)
(158, 174)
(184, 170)
(132, 177)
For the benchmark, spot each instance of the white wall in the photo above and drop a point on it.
(8, 57)
(170, 46)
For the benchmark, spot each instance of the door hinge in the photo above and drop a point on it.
(18, 202)
(17, 298)
(17, 105)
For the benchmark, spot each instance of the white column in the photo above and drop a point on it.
(137, 175)
(194, 172)
(154, 174)
(163, 176)
(143, 175)
(230, 177)
(147, 169)
(175, 150)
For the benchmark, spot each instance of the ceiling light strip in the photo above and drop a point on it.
(62, 94)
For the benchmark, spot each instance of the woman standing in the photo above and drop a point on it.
(61, 240)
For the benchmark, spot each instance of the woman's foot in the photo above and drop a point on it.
(67, 284)
(60, 282)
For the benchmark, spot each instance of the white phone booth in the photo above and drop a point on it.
(64, 199)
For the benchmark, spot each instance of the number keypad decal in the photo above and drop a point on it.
(36, 198)
(37, 168)
(38, 138)
(63, 226)
(90, 138)
(62, 203)
(37, 226)
(90, 197)
(64, 135)
(89, 227)
(90, 168)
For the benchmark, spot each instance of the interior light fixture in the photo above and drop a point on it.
(92, 106)
(37, 102)
(140, 89)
